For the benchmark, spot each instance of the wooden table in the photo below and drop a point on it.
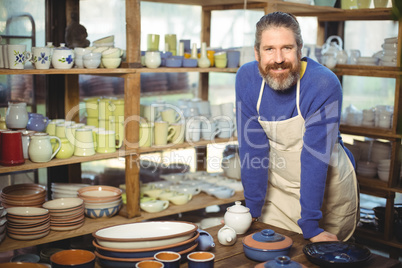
(234, 257)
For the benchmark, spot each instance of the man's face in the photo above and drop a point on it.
(279, 63)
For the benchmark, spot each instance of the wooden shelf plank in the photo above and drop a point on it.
(369, 132)
(60, 162)
(363, 70)
(185, 145)
(199, 201)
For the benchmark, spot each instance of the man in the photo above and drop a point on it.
(296, 172)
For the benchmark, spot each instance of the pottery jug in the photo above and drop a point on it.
(40, 148)
(37, 122)
(66, 149)
(238, 217)
(227, 236)
(17, 115)
(205, 240)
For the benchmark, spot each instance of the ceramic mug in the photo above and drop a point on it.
(170, 259)
(170, 115)
(153, 206)
(163, 133)
(193, 130)
(209, 130)
(179, 130)
(41, 57)
(153, 42)
(106, 142)
(84, 143)
(202, 259)
(18, 56)
(153, 59)
(11, 148)
(149, 264)
(146, 134)
(150, 112)
(180, 198)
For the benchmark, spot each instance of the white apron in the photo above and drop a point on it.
(282, 204)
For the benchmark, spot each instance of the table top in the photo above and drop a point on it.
(233, 256)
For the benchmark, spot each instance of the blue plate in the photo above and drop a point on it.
(336, 254)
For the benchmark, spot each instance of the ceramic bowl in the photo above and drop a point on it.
(145, 234)
(266, 245)
(63, 204)
(144, 253)
(99, 192)
(174, 177)
(76, 258)
(92, 63)
(106, 212)
(111, 62)
(190, 63)
(23, 265)
(107, 39)
(337, 254)
(174, 61)
(102, 204)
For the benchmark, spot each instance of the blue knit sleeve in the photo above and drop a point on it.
(253, 142)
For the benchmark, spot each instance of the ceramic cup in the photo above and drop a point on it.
(163, 133)
(179, 130)
(26, 138)
(170, 115)
(11, 148)
(106, 142)
(18, 56)
(193, 130)
(226, 127)
(40, 148)
(149, 264)
(227, 109)
(153, 42)
(171, 41)
(153, 59)
(201, 259)
(209, 130)
(146, 134)
(41, 57)
(170, 259)
(233, 57)
(204, 108)
(152, 205)
(180, 198)
(84, 142)
(150, 112)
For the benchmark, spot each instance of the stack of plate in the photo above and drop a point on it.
(366, 169)
(27, 223)
(65, 213)
(23, 195)
(390, 52)
(101, 201)
(125, 245)
(62, 190)
(3, 221)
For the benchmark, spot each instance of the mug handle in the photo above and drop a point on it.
(165, 204)
(58, 148)
(120, 143)
(171, 132)
(189, 197)
(28, 56)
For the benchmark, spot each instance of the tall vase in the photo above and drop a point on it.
(194, 54)
(203, 61)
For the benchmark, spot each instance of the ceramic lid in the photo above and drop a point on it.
(267, 239)
(280, 261)
(238, 208)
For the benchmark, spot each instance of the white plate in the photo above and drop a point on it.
(27, 211)
(63, 203)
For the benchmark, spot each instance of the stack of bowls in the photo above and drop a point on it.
(107, 41)
(390, 52)
(125, 245)
(23, 195)
(383, 169)
(65, 213)
(63, 190)
(92, 60)
(27, 223)
(367, 169)
(3, 221)
(380, 151)
(79, 52)
(101, 201)
(111, 57)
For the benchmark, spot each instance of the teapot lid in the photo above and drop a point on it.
(238, 208)
(267, 239)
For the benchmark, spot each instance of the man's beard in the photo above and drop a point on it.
(280, 82)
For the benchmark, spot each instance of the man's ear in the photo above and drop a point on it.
(256, 55)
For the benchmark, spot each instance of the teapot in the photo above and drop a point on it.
(205, 240)
(238, 217)
(331, 49)
(227, 236)
(37, 122)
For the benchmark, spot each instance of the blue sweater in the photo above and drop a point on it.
(320, 106)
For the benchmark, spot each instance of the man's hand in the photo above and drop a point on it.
(324, 236)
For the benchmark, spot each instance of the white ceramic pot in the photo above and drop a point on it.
(238, 217)
(40, 148)
(63, 58)
(17, 115)
(227, 236)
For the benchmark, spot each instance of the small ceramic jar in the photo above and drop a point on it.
(17, 115)
(238, 217)
(227, 236)
(63, 58)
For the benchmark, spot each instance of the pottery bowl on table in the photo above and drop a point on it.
(174, 61)
(190, 63)
(111, 62)
(266, 245)
(145, 252)
(100, 193)
(77, 258)
(337, 254)
(23, 265)
(145, 234)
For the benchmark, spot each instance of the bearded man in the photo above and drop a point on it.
(295, 170)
